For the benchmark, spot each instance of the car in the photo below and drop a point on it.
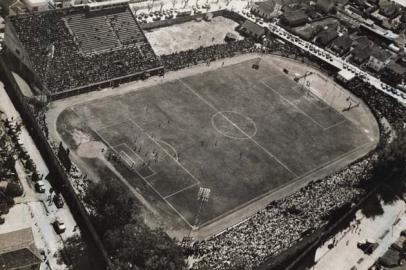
(367, 246)
(58, 201)
(59, 226)
(40, 186)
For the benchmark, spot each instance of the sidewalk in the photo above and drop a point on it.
(33, 209)
(383, 229)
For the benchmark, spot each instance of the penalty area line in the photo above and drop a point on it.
(148, 184)
(179, 191)
(293, 105)
(167, 153)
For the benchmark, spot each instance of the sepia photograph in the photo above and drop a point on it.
(202, 135)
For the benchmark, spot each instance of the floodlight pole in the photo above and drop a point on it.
(202, 196)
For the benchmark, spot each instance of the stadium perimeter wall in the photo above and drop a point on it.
(59, 179)
(110, 83)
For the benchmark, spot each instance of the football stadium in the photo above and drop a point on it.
(239, 131)
(229, 136)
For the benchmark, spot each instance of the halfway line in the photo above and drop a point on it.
(237, 127)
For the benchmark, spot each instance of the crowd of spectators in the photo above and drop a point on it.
(79, 181)
(191, 57)
(183, 59)
(284, 222)
(58, 61)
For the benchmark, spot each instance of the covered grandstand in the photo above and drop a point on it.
(81, 48)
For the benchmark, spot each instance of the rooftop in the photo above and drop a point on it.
(326, 36)
(267, 6)
(325, 5)
(252, 28)
(346, 74)
(342, 43)
(295, 17)
(15, 240)
(17, 250)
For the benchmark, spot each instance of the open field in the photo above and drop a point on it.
(190, 35)
(241, 132)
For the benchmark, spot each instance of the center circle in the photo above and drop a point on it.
(234, 125)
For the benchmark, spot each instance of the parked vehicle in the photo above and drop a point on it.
(58, 201)
(59, 226)
(40, 186)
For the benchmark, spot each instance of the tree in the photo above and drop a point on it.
(13, 190)
(35, 176)
(136, 244)
(9, 162)
(130, 243)
(113, 204)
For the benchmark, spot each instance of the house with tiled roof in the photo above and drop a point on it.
(342, 44)
(252, 29)
(18, 251)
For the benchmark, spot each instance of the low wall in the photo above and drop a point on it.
(111, 83)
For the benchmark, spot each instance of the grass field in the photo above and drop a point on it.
(241, 132)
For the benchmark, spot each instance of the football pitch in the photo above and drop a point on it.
(240, 132)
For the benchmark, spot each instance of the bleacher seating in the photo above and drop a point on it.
(77, 48)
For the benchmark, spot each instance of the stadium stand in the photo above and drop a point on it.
(80, 48)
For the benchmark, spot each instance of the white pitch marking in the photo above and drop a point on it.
(163, 149)
(293, 105)
(149, 184)
(336, 124)
(237, 127)
(129, 148)
(179, 191)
